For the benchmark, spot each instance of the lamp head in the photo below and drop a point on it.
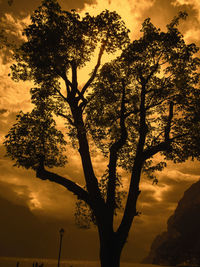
(62, 231)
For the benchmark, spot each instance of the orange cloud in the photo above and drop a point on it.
(194, 3)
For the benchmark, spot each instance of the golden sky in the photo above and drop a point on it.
(21, 193)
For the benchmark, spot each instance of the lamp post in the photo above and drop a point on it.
(60, 246)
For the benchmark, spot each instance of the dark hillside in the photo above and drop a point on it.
(181, 242)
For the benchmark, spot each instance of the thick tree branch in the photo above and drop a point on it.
(163, 146)
(113, 158)
(90, 178)
(67, 81)
(74, 79)
(75, 91)
(130, 207)
(95, 69)
(84, 102)
(70, 185)
(143, 129)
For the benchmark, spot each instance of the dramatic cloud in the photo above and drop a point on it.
(195, 4)
(22, 8)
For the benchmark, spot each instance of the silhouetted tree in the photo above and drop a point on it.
(143, 103)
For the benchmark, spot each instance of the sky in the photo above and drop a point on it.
(32, 211)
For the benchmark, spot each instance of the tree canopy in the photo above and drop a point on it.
(160, 73)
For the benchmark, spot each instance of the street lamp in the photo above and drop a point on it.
(61, 236)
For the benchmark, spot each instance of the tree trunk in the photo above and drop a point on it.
(110, 251)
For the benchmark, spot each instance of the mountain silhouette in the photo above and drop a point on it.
(181, 242)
